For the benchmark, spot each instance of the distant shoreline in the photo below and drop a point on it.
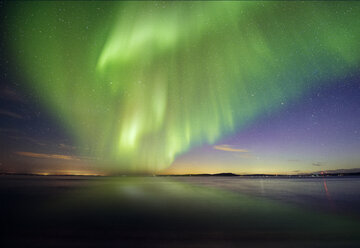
(308, 175)
(271, 175)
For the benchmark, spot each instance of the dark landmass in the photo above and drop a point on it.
(329, 173)
(275, 175)
(332, 173)
(204, 175)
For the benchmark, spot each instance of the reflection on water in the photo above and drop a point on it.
(177, 212)
(341, 194)
(331, 204)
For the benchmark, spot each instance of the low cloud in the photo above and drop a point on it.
(229, 148)
(48, 156)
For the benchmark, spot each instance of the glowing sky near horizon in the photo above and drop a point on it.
(139, 83)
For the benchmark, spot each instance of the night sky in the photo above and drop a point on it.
(179, 87)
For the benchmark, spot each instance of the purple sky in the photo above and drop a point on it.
(320, 131)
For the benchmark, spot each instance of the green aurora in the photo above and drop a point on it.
(139, 83)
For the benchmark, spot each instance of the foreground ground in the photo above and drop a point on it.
(177, 212)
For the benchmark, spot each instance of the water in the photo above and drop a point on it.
(40, 211)
(335, 194)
